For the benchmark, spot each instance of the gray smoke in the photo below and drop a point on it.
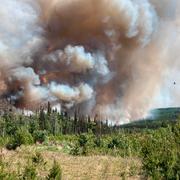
(110, 58)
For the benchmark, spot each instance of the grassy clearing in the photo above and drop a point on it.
(73, 167)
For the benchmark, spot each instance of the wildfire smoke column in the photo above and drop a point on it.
(99, 56)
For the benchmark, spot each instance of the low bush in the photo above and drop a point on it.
(75, 150)
(98, 142)
(161, 156)
(29, 173)
(37, 158)
(40, 136)
(55, 173)
(82, 140)
(22, 136)
(12, 144)
(114, 143)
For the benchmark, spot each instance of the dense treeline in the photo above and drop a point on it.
(56, 123)
(53, 122)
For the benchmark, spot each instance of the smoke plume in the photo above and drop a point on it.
(110, 58)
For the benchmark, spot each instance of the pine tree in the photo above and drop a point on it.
(49, 108)
(42, 119)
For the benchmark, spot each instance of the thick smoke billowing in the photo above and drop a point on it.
(106, 57)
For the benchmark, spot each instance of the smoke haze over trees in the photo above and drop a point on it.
(114, 58)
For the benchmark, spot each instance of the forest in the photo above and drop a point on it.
(155, 148)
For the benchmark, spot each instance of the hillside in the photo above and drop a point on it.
(158, 118)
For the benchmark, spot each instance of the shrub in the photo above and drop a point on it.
(55, 173)
(12, 144)
(22, 136)
(82, 143)
(82, 140)
(98, 142)
(29, 172)
(33, 126)
(4, 141)
(37, 158)
(114, 143)
(11, 128)
(161, 155)
(40, 136)
(75, 150)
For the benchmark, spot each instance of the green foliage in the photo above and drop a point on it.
(55, 172)
(11, 128)
(29, 172)
(114, 143)
(37, 158)
(80, 147)
(82, 140)
(85, 143)
(40, 136)
(12, 144)
(75, 150)
(33, 126)
(161, 156)
(4, 141)
(122, 144)
(22, 136)
(98, 142)
(8, 176)
(157, 147)
(3, 174)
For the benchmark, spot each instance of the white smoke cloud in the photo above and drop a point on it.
(27, 75)
(78, 59)
(99, 57)
(38, 94)
(101, 64)
(17, 31)
(71, 94)
(139, 18)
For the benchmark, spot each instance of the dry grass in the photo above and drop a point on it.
(75, 167)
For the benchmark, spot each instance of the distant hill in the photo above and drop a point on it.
(166, 113)
(158, 118)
